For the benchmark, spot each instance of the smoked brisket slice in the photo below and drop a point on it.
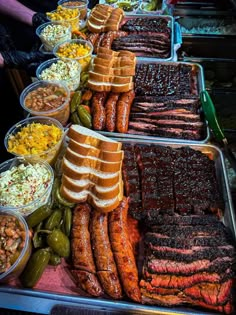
(177, 220)
(182, 281)
(186, 243)
(192, 254)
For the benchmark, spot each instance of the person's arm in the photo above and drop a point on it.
(1, 61)
(17, 10)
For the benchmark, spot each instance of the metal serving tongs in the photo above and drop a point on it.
(210, 113)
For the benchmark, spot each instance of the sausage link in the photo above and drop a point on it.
(104, 259)
(107, 40)
(88, 282)
(92, 37)
(98, 110)
(123, 252)
(82, 256)
(110, 108)
(98, 42)
(123, 110)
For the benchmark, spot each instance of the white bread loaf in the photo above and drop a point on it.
(87, 136)
(90, 151)
(89, 177)
(107, 87)
(102, 205)
(101, 192)
(92, 162)
(86, 173)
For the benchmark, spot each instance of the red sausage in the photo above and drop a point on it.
(110, 108)
(123, 252)
(104, 259)
(123, 110)
(98, 110)
(82, 256)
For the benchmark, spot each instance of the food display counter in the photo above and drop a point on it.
(166, 177)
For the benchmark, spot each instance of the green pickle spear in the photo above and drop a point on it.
(35, 267)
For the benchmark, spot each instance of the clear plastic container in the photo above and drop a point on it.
(81, 5)
(30, 185)
(68, 15)
(64, 70)
(47, 98)
(52, 33)
(80, 50)
(49, 145)
(19, 264)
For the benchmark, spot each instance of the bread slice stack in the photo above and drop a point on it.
(112, 71)
(104, 18)
(91, 169)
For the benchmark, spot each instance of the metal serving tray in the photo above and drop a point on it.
(138, 10)
(200, 87)
(42, 301)
(171, 24)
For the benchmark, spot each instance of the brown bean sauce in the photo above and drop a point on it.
(45, 98)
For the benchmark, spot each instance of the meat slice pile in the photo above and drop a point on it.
(163, 180)
(188, 260)
(145, 37)
(166, 102)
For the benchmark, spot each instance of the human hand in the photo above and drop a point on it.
(39, 18)
(21, 59)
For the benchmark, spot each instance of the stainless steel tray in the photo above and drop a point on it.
(200, 87)
(170, 20)
(138, 10)
(42, 301)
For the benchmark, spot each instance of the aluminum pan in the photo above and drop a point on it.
(43, 302)
(200, 86)
(170, 20)
(157, 12)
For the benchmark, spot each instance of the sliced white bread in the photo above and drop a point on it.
(121, 88)
(103, 69)
(89, 151)
(101, 192)
(87, 136)
(92, 162)
(87, 173)
(102, 205)
(103, 62)
(122, 71)
(99, 86)
(95, 76)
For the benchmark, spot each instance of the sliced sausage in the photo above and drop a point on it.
(98, 110)
(104, 259)
(123, 110)
(82, 256)
(110, 108)
(123, 252)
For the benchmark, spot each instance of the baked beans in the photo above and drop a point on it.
(45, 98)
(12, 240)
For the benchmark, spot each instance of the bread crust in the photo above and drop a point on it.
(95, 163)
(96, 179)
(109, 156)
(94, 189)
(98, 143)
(104, 208)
